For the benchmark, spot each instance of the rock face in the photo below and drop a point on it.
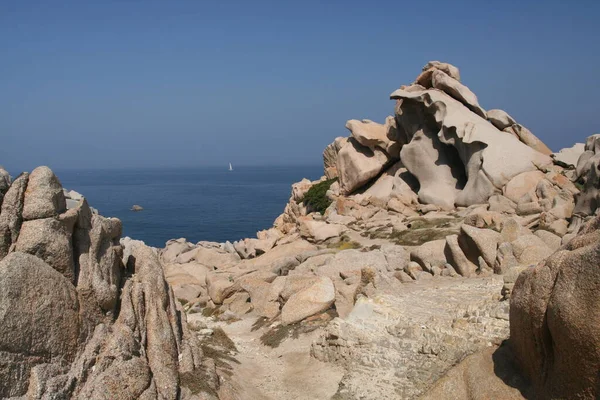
(569, 156)
(330, 157)
(4, 183)
(461, 141)
(397, 346)
(45, 330)
(89, 324)
(588, 173)
(357, 165)
(555, 322)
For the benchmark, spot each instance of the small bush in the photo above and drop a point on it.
(316, 197)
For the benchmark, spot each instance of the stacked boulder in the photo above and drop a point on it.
(82, 316)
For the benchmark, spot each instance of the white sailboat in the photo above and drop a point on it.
(230, 167)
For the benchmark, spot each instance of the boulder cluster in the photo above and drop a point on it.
(442, 190)
(83, 315)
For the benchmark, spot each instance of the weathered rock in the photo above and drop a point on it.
(44, 196)
(319, 231)
(500, 119)
(505, 259)
(477, 242)
(39, 320)
(11, 214)
(457, 258)
(174, 248)
(499, 203)
(430, 254)
(424, 79)
(357, 164)
(352, 262)
(511, 230)
(550, 239)
(479, 145)
(482, 376)
(330, 156)
(460, 92)
(97, 256)
(368, 133)
(397, 346)
(569, 156)
(395, 183)
(4, 183)
(218, 286)
(434, 167)
(50, 240)
(214, 258)
(530, 249)
(588, 168)
(522, 184)
(312, 300)
(528, 138)
(299, 189)
(555, 322)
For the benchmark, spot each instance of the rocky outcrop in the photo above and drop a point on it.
(4, 182)
(569, 157)
(555, 322)
(357, 165)
(330, 157)
(94, 319)
(467, 144)
(588, 167)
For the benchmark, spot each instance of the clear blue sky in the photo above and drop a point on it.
(92, 84)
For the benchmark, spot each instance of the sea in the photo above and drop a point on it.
(208, 203)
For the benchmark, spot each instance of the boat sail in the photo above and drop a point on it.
(230, 167)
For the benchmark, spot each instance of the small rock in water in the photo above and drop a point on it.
(136, 208)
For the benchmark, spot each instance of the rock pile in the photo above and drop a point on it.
(443, 194)
(81, 315)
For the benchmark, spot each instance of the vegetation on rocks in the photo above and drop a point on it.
(316, 197)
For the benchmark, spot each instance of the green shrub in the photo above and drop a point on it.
(316, 197)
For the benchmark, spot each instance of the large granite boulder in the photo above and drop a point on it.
(4, 183)
(555, 320)
(424, 78)
(44, 197)
(11, 214)
(569, 156)
(440, 80)
(500, 119)
(357, 165)
(316, 298)
(330, 155)
(480, 148)
(39, 320)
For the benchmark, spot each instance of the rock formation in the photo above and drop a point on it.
(422, 214)
(392, 276)
(82, 316)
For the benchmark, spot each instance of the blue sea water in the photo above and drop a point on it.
(198, 204)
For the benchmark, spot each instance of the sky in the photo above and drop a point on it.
(127, 84)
